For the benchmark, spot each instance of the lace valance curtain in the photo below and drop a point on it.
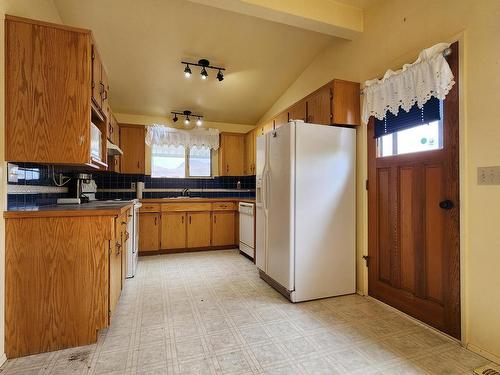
(159, 135)
(429, 76)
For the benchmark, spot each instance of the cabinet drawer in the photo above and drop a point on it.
(150, 207)
(223, 206)
(172, 207)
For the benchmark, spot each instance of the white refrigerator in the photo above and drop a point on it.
(306, 210)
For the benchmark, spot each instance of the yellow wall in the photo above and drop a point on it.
(42, 10)
(394, 32)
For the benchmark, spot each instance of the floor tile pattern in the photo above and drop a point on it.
(210, 313)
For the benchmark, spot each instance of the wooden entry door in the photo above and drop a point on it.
(413, 230)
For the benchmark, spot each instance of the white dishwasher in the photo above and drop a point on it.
(247, 225)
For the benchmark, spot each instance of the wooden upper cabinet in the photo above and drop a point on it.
(47, 92)
(346, 103)
(149, 231)
(319, 106)
(250, 145)
(223, 228)
(298, 111)
(132, 139)
(96, 77)
(173, 230)
(198, 229)
(231, 154)
(281, 119)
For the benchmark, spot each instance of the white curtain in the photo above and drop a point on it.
(430, 75)
(159, 135)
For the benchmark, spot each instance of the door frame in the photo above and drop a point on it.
(459, 55)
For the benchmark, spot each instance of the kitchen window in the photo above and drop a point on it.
(180, 161)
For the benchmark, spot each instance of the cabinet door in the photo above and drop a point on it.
(198, 229)
(346, 103)
(249, 153)
(106, 109)
(115, 267)
(132, 145)
(281, 119)
(96, 77)
(297, 111)
(319, 107)
(173, 230)
(231, 153)
(223, 228)
(149, 232)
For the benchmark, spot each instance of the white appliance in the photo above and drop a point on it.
(95, 142)
(133, 244)
(305, 210)
(247, 239)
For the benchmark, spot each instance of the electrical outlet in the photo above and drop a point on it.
(132, 185)
(488, 175)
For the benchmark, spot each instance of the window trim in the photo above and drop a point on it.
(186, 165)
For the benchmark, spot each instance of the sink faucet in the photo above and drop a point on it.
(185, 192)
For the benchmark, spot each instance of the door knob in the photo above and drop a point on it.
(446, 204)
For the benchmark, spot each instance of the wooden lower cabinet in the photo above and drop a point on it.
(173, 230)
(198, 229)
(149, 231)
(223, 228)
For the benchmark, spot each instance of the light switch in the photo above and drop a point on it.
(488, 175)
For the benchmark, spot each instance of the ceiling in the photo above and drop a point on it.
(143, 42)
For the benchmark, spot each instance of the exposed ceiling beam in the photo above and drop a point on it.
(323, 16)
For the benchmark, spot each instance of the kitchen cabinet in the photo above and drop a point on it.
(54, 90)
(198, 229)
(319, 106)
(149, 231)
(281, 119)
(298, 111)
(345, 103)
(132, 144)
(231, 154)
(173, 230)
(223, 228)
(264, 128)
(250, 145)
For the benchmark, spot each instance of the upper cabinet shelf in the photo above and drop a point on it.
(55, 88)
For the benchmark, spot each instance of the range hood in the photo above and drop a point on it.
(113, 149)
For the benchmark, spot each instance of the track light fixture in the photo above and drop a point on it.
(220, 76)
(187, 117)
(187, 71)
(204, 64)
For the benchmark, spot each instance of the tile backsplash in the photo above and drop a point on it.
(33, 185)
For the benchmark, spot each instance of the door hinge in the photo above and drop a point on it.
(367, 260)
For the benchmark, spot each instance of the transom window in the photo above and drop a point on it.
(180, 162)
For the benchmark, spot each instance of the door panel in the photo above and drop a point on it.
(413, 240)
(223, 225)
(149, 233)
(132, 145)
(173, 230)
(198, 229)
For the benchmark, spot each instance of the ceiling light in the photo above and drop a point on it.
(175, 118)
(205, 65)
(187, 120)
(187, 71)
(204, 74)
(198, 122)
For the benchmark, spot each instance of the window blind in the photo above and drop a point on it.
(431, 111)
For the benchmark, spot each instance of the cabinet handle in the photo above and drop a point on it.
(138, 166)
(227, 167)
(189, 219)
(155, 220)
(215, 218)
(118, 247)
(101, 85)
(182, 218)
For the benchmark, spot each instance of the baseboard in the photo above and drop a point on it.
(279, 288)
(3, 359)
(187, 250)
(483, 353)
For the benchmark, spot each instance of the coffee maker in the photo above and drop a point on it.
(75, 189)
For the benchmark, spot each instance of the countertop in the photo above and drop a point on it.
(96, 208)
(195, 199)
